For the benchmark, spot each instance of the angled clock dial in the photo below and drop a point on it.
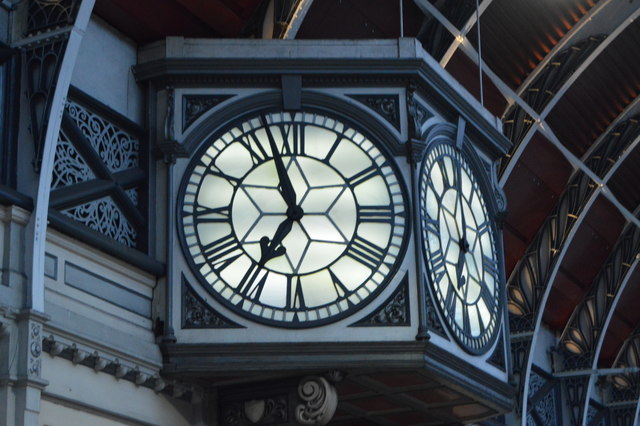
(459, 245)
(293, 219)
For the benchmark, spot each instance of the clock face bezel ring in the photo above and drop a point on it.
(443, 138)
(390, 160)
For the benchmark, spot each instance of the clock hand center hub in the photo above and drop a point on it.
(464, 245)
(295, 213)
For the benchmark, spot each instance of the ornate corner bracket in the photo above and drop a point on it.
(320, 401)
(418, 114)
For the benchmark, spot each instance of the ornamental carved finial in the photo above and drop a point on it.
(320, 401)
(169, 129)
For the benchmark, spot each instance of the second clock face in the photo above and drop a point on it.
(460, 247)
(293, 219)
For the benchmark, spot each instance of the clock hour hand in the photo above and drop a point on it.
(286, 188)
(459, 267)
(272, 248)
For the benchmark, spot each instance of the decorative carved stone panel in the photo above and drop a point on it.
(393, 312)
(194, 106)
(196, 313)
(497, 357)
(387, 106)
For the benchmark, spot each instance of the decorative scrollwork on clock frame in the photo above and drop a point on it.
(382, 260)
(394, 312)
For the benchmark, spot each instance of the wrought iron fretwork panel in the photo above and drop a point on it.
(576, 391)
(43, 66)
(623, 415)
(117, 149)
(544, 400)
(98, 180)
(45, 15)
(104, 216)
(69, 168)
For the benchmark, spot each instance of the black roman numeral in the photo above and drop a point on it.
(254, 146)
(365, 252)
(451, 301)
(363, 175)
(293, 139)
(466, 324)
(377, 214)
(250, 285)
(437, 259)
(488, 297)
(211, 215)
(490, 265)
(222, 252)
(484, 227)
(432, 226)
(216, 172)
(333, 148)
(295, 296)
(339, 287)
(450, 177)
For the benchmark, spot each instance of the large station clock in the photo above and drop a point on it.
(459, 244)
(293, 219)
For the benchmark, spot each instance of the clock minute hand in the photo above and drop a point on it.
(286, 188)
(463, 234)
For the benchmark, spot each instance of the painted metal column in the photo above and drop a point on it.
(29, 383)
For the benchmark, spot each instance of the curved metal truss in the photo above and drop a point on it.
(540, 92)
(530, 282)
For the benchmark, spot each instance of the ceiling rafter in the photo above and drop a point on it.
(573, 34)
(519, 149)
(296, 21)
(465, 30)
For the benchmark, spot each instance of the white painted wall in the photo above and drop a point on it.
(103, 70)
(76, 395)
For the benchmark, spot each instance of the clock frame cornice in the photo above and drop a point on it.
(320, 63)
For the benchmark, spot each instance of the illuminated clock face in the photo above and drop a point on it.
(293, 219)
(460, 247)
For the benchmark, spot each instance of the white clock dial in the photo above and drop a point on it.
(460, 247)
(293, 220)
